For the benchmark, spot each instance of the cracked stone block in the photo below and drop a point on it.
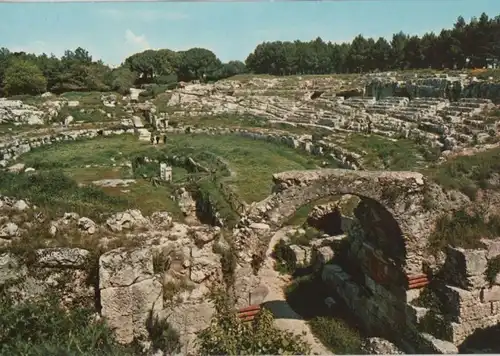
(466, 267)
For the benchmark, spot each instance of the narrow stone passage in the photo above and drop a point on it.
(285, 317)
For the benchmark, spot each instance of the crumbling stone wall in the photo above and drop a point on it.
(397, 199)
(464, 294)
(386, 240)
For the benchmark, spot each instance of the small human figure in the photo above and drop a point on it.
(157, 139)
(164, 139)
(152, 140)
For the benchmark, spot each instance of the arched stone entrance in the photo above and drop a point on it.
(395, 217)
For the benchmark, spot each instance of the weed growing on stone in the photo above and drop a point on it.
(43, 327)
(336, 335)
(463, 229)
(469, 173)
(163, 337)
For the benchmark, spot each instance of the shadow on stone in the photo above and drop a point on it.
(482, 341)
(281, 309)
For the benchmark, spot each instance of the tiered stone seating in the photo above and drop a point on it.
(466, 107)
(419, 108)
(359, 102)
(388, 104)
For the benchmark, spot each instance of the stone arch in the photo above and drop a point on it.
(396, 199)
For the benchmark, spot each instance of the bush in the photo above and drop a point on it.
(285, 258)
(24, 77)
(45, 328)
(336, 335)
(463, 229)
(227, 335)
(163, 336)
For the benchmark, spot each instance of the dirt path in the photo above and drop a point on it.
(285, 316)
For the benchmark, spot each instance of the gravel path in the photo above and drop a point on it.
(285, 316)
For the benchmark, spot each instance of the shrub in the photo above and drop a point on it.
(227, 335)
(463, 229)
(285, 258)
(336, 335)
(163, 336)
(24, 77)
(44, 328)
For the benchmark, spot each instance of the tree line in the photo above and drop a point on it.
(26, 73)
(466, 45)
(471, 45)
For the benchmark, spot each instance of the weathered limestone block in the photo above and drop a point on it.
(460, 331)
(491, 294)
(334, 276)
(62, 257)
(322, 255)
(204, 264)
(129, 291)
(302, 254)
(462, 304)
(466, 268)
(379, 346)
(188, 319)
(440, 346)
(493, 248)
(125, 220)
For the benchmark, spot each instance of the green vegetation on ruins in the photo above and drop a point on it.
(45, 328)
(469, 173)
(229, 170)
(60, 167)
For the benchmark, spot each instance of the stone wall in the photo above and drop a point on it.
(451, 88)
(401, 194)
(167, 275)
(466, 292)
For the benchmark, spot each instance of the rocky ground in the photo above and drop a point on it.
(134, 263)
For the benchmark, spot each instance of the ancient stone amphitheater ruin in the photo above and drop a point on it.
(377, 264)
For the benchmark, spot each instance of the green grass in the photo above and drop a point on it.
(44, 328)
(336, 328)
(58, 193)
(383, 153)
(469, 173)
(463, 229)
(252, 162)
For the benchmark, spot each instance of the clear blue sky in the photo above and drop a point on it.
(113, 30)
